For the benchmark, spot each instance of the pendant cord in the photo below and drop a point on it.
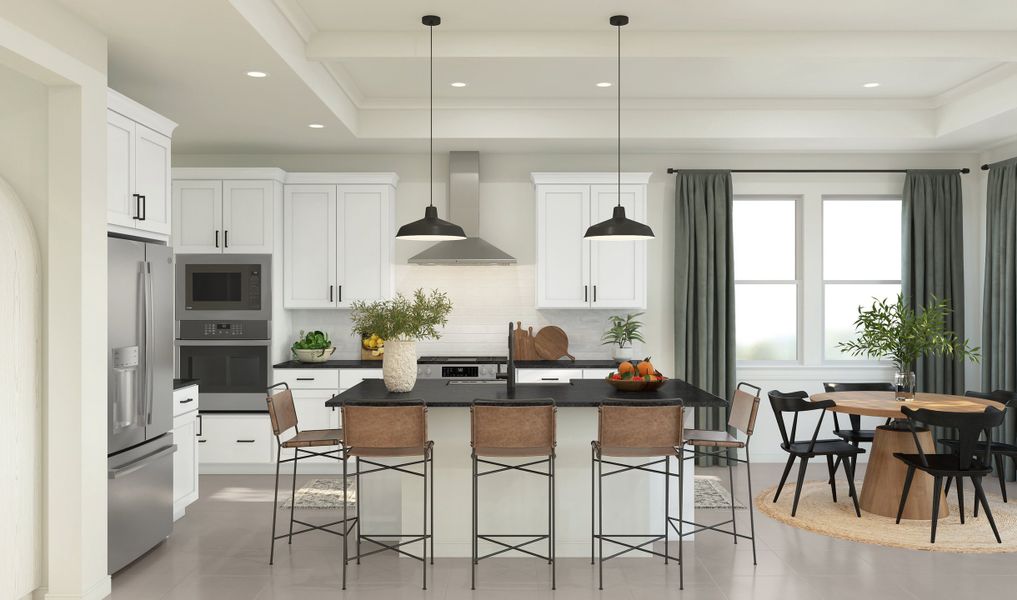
(619, 114)
(430, 120)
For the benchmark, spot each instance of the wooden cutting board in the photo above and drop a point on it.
(551, 343)
(524, 348)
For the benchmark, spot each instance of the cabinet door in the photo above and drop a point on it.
(236, 439)
(185, 462)
(562, 253)
(152, 179)
(121, 206)
(618, 269)
(309, 246)
(247, 211)
(197, 216)
(365, 241)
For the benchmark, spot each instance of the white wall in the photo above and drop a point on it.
(491, 296)
(23, 117)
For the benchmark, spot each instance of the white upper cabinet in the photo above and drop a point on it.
(338, 239)
(138, 169)
(225, 211)
(577, 273)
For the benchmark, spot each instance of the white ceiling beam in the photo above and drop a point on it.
(997, 46)
(986, 104)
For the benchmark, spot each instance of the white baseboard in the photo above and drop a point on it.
(101, 589)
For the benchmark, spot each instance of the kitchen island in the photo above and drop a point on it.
(514, 502)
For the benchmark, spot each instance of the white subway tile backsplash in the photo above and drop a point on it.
(485, 300)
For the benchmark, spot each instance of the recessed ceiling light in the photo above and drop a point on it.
(257, 74)
(316, 126)
(458, 84)
(604, 84)
(871, 84)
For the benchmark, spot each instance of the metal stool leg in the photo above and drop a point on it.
(358, 507)
(551, 524)
(275, 502)
(293, 496)
(600, 517)
(432, 506)
(423, 564)
(752, 517)
(730, 477)
(593, 507)
(345, 529)
(473, 539)
(681, 518)
(667, 508)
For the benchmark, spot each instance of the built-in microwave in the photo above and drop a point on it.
(218, 286)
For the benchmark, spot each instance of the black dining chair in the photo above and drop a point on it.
(964, 463)
(854, 434)
(1000, 450)
(796, 403)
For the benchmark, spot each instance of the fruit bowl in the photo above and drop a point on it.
(637, 383)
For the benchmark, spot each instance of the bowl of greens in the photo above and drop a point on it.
(313, 347)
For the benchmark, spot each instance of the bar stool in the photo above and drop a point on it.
(284, 417)
(390, 429)
(638, 429)
(513, 429)
(742, 417)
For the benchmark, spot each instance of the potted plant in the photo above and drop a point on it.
(402, 321)
(903, 335)
(313, 347)
(621, 334)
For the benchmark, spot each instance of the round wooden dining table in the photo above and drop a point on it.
(884, 475)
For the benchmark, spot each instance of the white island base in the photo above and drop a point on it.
(515, 502)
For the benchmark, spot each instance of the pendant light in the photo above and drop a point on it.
(431, 228)
(619, 227)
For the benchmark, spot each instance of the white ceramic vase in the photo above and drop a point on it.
(399, 365)
(623, 352)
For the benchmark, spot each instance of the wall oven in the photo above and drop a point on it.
(230, 358)
(224, 286)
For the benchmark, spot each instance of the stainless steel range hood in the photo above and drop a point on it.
(464, 210)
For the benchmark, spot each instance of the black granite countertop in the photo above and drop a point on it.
(577, 393)
(605, 363)
(182, 383)
(331, 364)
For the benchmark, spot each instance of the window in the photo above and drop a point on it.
(861, 261)
(766, 278)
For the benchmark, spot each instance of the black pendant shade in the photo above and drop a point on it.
(430, 229)
(619, 227)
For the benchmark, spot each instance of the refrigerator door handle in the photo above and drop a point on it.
(140, 463)
(149, 341)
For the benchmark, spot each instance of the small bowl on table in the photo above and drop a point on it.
(637, 384)
(313, 355)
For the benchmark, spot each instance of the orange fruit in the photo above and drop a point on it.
(646, 367)
(626, 367)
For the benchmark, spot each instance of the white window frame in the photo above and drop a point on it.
(811, 190)
(799, 322)
(852, 198)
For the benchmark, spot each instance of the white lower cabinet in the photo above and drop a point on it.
(597, 373)
(236, 439)
(559, 375)
(186, 424)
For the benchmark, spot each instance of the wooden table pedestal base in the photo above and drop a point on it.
(884, 477)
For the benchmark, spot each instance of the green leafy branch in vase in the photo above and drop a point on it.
(903, 335)
(623, 331)
(403, 318)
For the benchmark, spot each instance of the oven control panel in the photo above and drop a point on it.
(223, 330)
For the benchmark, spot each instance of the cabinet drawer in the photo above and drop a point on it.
(547, 375)
(596, 373)
(308, 379)
(185, 400)
(235, 439)
(351, 377)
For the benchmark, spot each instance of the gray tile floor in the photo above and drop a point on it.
(219, 551)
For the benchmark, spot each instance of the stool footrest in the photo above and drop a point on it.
(386, 547)
(615, 539)
(490, 537)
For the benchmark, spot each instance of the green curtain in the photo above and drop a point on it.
(704, 290)
(999, 301)
(933, 264)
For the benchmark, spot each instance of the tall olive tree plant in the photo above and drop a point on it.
(903, 335)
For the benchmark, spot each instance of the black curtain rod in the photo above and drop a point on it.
(985, 167)
(964, 170)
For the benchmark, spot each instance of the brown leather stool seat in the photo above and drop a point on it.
(310, 438)
(712, 439)
(513, 429)
(648, 429)
(375, 429)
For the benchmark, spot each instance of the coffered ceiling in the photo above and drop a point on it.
(719, 75)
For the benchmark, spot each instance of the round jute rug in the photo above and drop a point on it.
(819, 514)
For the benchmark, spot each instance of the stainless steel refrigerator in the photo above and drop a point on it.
(140, 398)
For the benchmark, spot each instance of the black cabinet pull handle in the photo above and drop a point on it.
(245, 441)
(331, 289)
(226, 238)
(137, 207)
(144, 206)
(202, 441)
(594, 293)
(216, 238)
(549, 379)
(340, 293)
(188, 401)
(199, 434)
(586, 293)
(305, 378)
